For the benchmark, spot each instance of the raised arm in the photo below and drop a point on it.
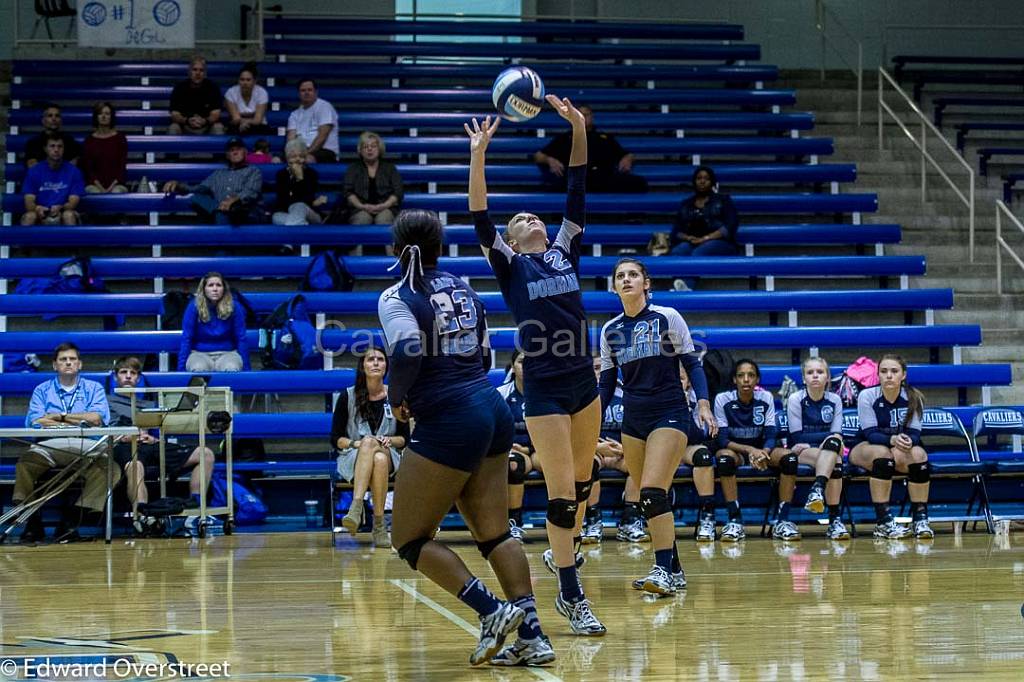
(576, 177)
(479, 138)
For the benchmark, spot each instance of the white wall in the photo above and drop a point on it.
(783, 28)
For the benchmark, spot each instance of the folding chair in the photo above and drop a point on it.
(992, 423)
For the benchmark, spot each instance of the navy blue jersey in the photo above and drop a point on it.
(437, 338)
(648, 349)
(750, 423)
(812, 421)
(611, 426)
(542, 290)
(880, 419)
(514, 399)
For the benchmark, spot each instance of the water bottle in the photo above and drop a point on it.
(312, 513)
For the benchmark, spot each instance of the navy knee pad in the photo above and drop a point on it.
(726, 465)
(919, 472)
(410, 551)
(517, 476)
(562, 512)
(702, 457)
(883, 468)
(654, 502)
(489, 546)
(837, 470)
(789, 464)
(583, 490)
(832, 444)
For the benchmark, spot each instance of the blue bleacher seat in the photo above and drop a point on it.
(647, 51)
(675, 174)
(478, 97)
(1010, 181)
(964, 129)
(574, 72)
(503, 338)
(534, 29)
(365, 302)
(383, 121)
(986, 153)
(641, 146)
(939, 104)
(659, 202)
(351, 235)
(371, 267)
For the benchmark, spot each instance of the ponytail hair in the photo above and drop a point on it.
(418, 236)
(915, 399)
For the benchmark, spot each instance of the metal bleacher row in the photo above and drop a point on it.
(992, 113)
(660, 106)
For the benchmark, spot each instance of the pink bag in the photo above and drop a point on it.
(864, 371)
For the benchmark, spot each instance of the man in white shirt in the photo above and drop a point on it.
(316, 122)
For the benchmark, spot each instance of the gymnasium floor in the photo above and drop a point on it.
(291, 607)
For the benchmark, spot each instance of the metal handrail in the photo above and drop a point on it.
(821, 12)
(922, 145)
(1001, 243)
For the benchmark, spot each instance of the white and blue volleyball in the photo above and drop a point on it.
(518, 93)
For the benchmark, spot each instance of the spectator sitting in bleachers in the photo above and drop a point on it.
(53, 189)
(35, 147)
(66, 400)
(609, 169)
(178, 458)
(105, 154)
(373, 186)
(229, 196)
(316, 122)
(196, 103)
(213, 330)
(368, 439)
(705, 223)
(261, 153)
(247, 104)
(296, 186)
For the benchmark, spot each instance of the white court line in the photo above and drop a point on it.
(540, 673)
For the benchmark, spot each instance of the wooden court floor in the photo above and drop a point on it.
(292, 607)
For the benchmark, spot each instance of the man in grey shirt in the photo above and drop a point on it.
(229, 196)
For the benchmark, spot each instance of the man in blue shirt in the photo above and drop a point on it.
(66, 401)
(53, 189)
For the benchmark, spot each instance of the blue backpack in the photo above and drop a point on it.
(327, 272)
(288, 339)
(249, 508)
(73, 276)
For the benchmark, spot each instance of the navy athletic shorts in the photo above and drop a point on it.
(461, 435)
(563, 394)
(640, 422)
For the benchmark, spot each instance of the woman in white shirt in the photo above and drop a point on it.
(247, 104)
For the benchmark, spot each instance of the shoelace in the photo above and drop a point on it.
(585, 615)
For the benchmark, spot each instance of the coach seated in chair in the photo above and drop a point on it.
(610, 166)
(66, 401)
(178, 457)
(228, 196)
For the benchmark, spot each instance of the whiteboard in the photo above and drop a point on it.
(151, 24)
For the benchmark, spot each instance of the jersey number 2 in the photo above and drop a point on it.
(448, 319)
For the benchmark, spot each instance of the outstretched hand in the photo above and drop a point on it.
(566, 110)
(480, 137)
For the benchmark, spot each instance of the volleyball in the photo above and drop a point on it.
(518, 93)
